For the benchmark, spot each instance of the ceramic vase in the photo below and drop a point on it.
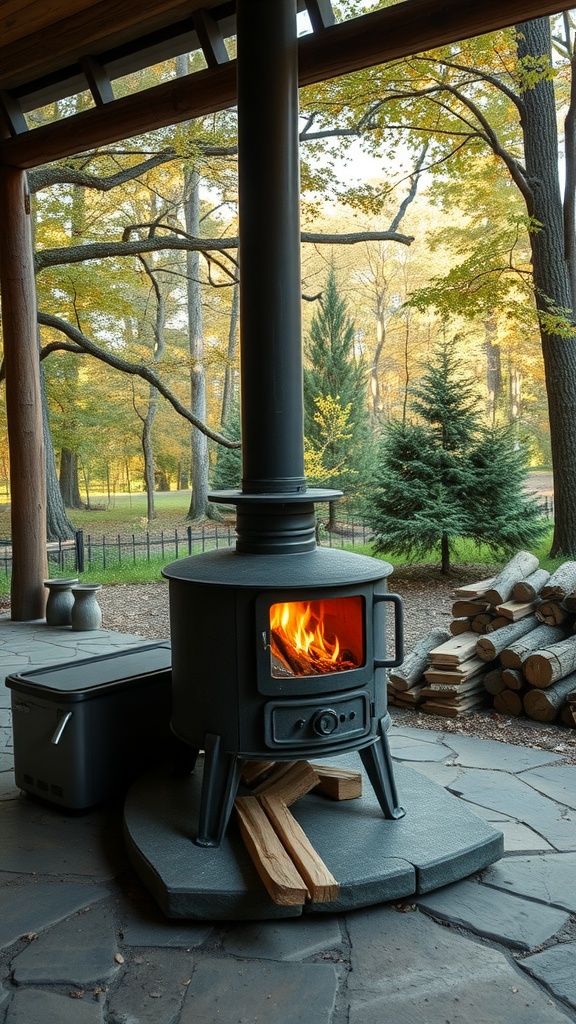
(60, 601)
(86, 612)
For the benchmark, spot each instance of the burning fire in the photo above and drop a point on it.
(304, 638)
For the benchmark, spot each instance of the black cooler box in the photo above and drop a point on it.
(84, 729)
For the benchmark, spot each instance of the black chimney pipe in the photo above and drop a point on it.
(270, 277)
(275, 507)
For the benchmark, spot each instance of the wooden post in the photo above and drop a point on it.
(23, 399)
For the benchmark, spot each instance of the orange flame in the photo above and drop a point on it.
(303, 644)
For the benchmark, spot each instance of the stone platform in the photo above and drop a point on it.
(375, 860)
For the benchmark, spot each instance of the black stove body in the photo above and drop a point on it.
(235, 699)
(249, 683)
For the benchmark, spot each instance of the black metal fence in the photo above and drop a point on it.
(86, 552)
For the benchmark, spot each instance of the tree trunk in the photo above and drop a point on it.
(69, 484)
(229, 391)
(445, 552)
(199, 505)
(551, 280)
(58, 526)
(23, 399)
(148, 453)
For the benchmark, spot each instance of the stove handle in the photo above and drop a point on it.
(398, 630)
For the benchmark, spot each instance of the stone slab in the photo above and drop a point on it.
(152, 987)
(409, 970)
(555, 968)
(33, 1006)
(32, 906)
(547, 879)
(42, 839)
(472, 752)
(80, 951)
(517, 922)
(558, 782)
(274, 993)
(143, 924)
(374, 860)
(406, 749)
(290, 940)
(515, 798)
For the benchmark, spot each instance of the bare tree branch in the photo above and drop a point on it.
(135, 370)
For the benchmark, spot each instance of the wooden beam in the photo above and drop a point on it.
(210, 39)
(23, 400)
(389, 34)
(31, 49)
(320, 13)
(13, 116)
(98, 81)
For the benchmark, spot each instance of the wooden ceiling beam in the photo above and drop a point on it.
(389, 34)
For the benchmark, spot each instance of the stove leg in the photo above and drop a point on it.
(219, 787)
(377, 761)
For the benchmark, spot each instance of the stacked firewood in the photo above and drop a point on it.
(512, 643)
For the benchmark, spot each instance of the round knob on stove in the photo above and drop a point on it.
(325, 722)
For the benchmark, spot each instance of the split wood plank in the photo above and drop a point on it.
(514, 610)
(253, 770)
(288, 782)
(321, 883)
(468, 609)
(282, 881)
(338, 783)
(455, 651)
(474, 590)
(457, 673)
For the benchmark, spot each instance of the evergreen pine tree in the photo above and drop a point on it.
(339, 445)
(448, 477)
(227, 474)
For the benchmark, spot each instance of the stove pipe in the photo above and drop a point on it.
(275, 507)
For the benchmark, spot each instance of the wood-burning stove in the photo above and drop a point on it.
(236, 699)
(238, 692)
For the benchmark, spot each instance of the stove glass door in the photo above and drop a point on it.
(316, 637)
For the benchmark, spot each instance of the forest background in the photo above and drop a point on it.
(418, 194)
